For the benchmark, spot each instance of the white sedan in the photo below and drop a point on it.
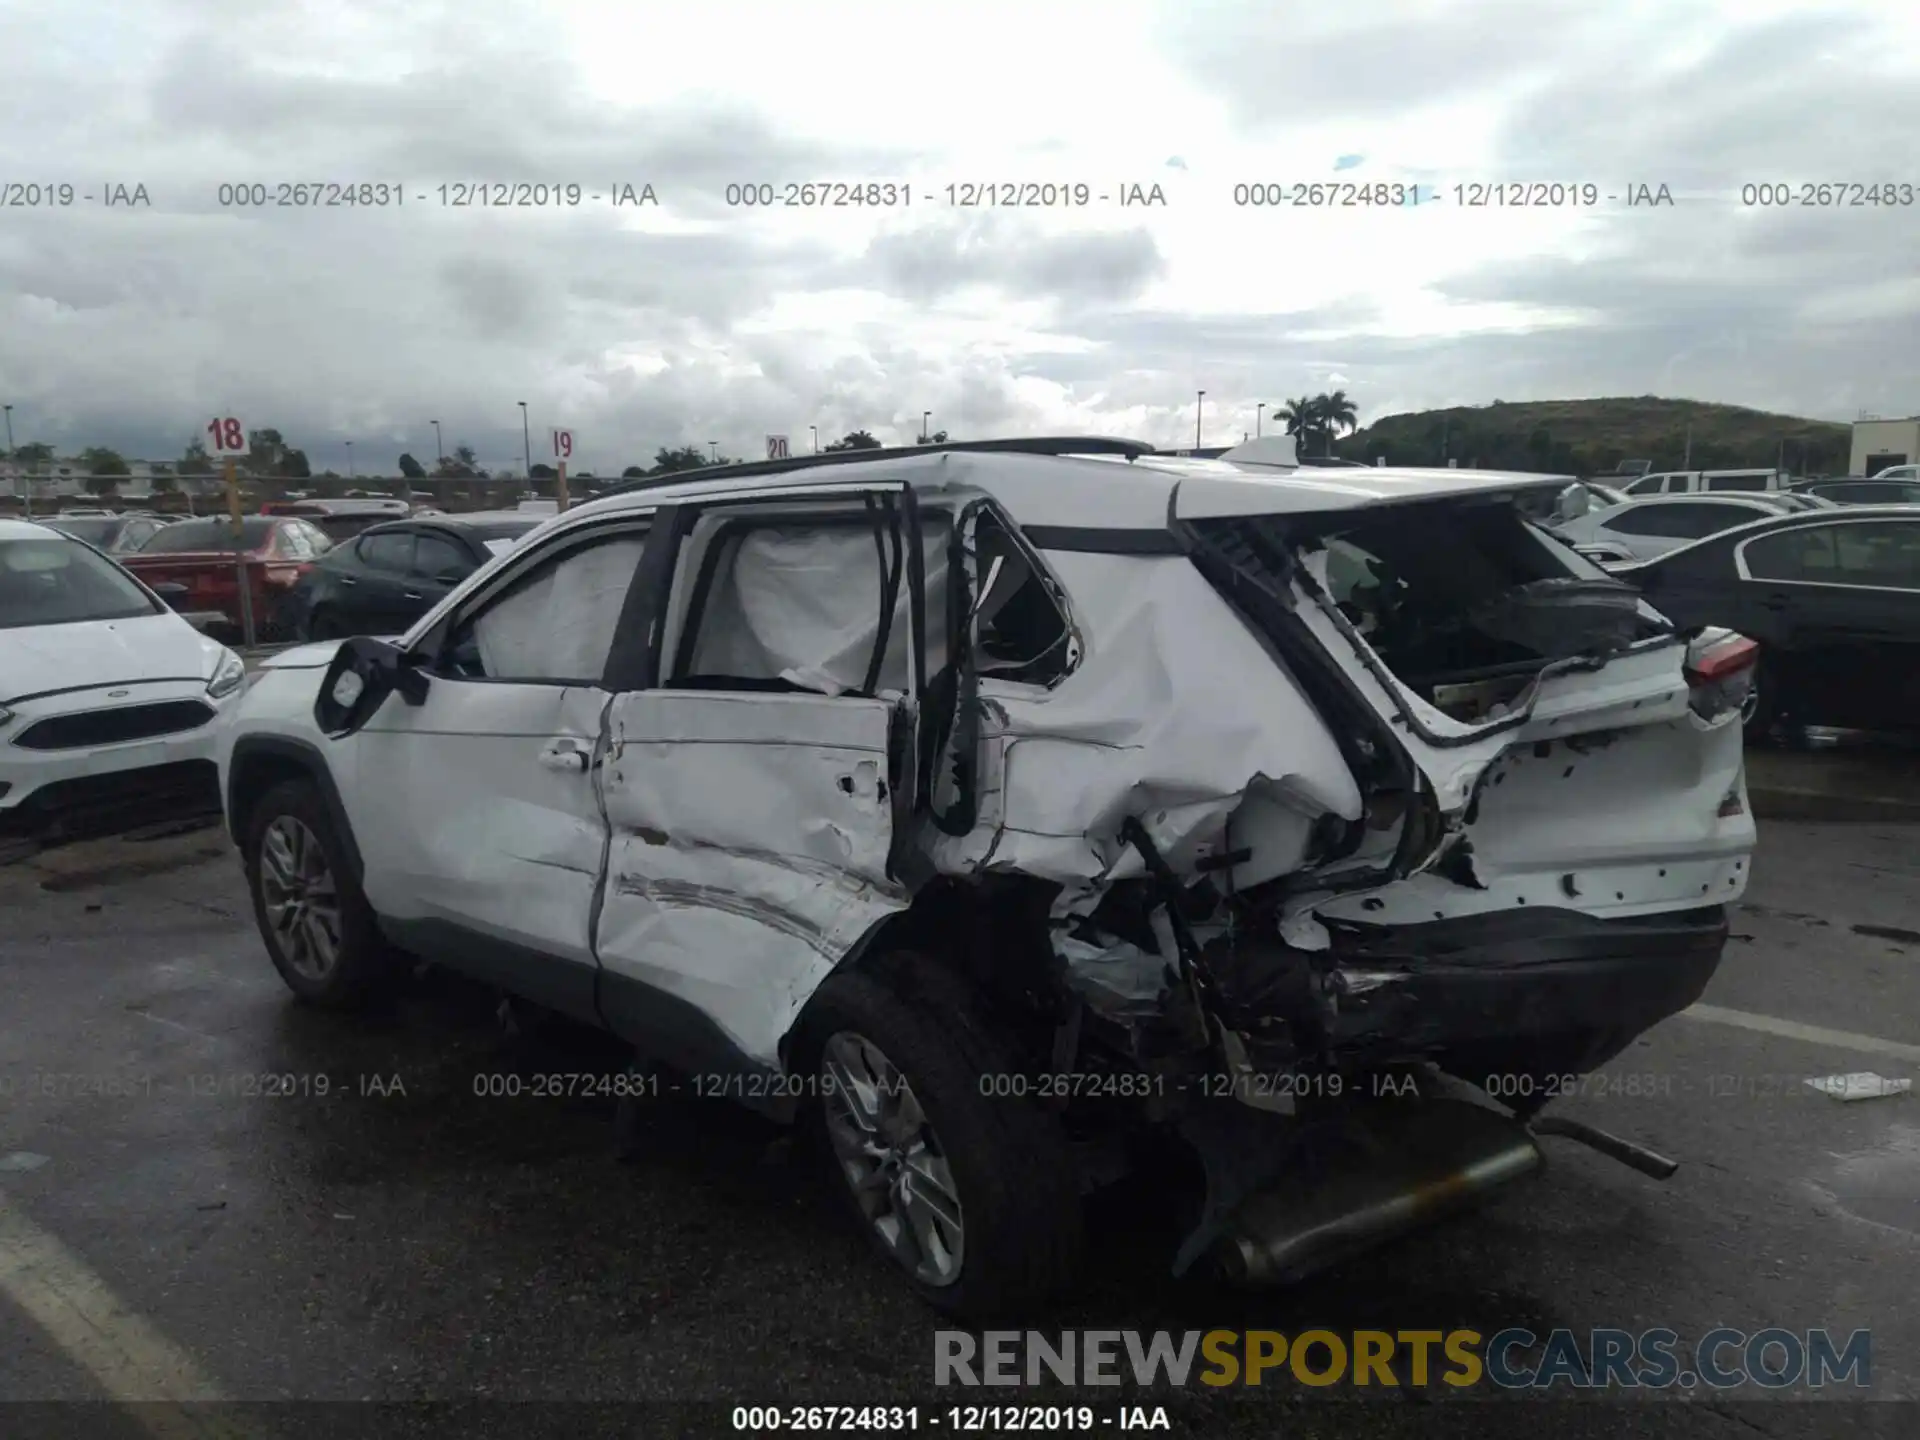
(1645, 529)
(110, 703)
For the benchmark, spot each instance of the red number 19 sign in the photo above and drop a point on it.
(563, 445)
(229, 436)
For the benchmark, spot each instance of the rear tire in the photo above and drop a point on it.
(314, 919)
(322, 626)
(973, 1197)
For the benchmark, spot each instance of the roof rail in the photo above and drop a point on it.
(1026, 445)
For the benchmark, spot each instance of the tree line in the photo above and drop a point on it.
(271, 456)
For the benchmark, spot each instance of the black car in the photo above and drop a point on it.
(1859, 490)
(1832, 597)
(391, 574)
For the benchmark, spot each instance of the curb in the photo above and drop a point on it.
(1782, 802)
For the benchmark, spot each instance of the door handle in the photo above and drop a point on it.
(347, 580)
(566, 755)
(1775, 602)
(411, 595)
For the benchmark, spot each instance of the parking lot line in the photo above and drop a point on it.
(133, 1362)
(1794, 1030)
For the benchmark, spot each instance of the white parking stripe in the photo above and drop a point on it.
(134, 1363)
(1812, 1034)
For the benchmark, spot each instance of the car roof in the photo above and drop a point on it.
(470, 520)
(1128, 490)
(31, 530)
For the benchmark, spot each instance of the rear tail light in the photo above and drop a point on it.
(1719, 672)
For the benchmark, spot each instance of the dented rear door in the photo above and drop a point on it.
(753, 794)
(749, 837)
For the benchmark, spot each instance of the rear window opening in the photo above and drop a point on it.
(1465, 604)
(1023, 634)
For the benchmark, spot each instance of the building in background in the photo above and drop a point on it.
(1879, 443)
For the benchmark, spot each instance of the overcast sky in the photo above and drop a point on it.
(692, 320)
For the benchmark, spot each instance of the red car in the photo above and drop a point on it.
(192, 566)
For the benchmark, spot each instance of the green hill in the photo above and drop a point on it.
(1590, 437)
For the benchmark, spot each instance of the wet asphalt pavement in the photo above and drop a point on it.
(385, 1229)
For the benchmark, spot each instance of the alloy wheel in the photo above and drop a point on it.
(891, 1159)
(301, 899)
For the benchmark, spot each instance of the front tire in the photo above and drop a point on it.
(973, 1197)
(319, 930)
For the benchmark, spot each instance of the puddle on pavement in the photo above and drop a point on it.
(1881, 1184)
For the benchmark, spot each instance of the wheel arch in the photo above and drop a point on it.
(989, 935)
(260, 762)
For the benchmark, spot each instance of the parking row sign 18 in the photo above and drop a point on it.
(227, 436)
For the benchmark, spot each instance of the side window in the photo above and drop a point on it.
(317, 539)
(794, 604)
(1737, 482)
(1644, 520)
(1695, 522)
(292, 542)
(1883, 554)
(1650, 485)
(555, 623)
(1023, 633)
(391, 552)
(435, 555)
(1792, 555)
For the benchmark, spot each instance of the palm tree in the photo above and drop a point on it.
(1301, 416)
(1338, 415)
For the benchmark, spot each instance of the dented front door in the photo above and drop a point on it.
(749, 842)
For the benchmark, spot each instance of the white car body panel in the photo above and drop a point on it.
(474, 747)
(749, 846)
(1123, 735)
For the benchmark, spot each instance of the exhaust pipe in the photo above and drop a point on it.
(1409, 1164)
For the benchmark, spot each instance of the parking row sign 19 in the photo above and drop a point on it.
(563, 445)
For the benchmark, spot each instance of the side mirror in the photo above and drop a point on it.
(171, 591)
(363, 673)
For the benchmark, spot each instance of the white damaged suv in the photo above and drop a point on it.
(1011, 809)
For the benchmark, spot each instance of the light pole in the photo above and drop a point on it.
(816, 438)
(1198, 405)
(439, 450)
(13, 464)
(526, 439)
(715, 446)
(1256, 418)
(349, 460)
(926, 427)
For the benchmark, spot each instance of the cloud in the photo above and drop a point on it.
(698, 318)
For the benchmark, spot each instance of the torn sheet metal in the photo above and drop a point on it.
(748, 850)
(1171, 716)
(1859, 1085)
(1117, 978)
